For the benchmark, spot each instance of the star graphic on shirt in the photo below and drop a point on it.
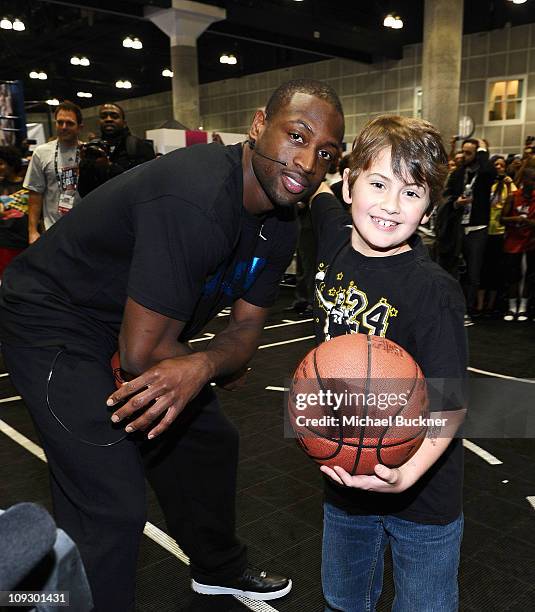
(393, 312)
(332, 292)
(340, 276)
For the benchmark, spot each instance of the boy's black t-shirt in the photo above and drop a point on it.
(408, 299)
(171, 234)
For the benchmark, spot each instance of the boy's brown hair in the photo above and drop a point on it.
(418, 155)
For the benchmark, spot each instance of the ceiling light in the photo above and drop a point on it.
(6, 24)
(519, 1)
(393, 21)
(123, 84)
(84, 61)
(119, 84)
(43, 76)
(53, 102)
(18, 25)
(34, 75)
(228, 59)
(84, 94)
(167, 73)
(132, 43)
(75, 61)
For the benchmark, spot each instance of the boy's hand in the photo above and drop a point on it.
(385, 480)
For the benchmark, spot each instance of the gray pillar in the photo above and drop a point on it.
(441, 65)
(184, 23)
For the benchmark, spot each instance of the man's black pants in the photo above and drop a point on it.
(99, 492)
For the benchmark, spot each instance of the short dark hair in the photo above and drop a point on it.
(417, 152)
(70, 107)
(284, 93)
(11, 156)
(121, 109)
(470, 141)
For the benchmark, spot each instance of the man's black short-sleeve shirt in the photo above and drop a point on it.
(171, 234)
(409, 299)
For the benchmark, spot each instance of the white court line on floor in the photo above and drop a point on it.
(531, 500)
(263, 346)
(286, 322)
(530, 381)
(150, 530)
(13, 398)
(482, 453)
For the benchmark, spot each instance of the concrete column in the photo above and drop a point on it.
(441, 65)
(184, 22)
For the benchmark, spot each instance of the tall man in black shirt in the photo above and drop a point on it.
(468, 204)
(147, 259)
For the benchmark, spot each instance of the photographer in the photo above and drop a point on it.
(116, 151)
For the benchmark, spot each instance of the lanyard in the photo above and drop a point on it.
(56, 169)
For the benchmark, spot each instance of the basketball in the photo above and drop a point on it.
(358, 400)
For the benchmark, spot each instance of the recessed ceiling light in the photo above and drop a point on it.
(132, 43)
(18, 25)
(393, 21)
(52, 102)
(43, 76)
(84, 94)
(228, 58)
(6, 24)
(166, 72)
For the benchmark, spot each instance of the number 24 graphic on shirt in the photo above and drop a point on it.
(348, 309)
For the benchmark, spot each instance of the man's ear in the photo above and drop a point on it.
(258, 125)
(346, 191)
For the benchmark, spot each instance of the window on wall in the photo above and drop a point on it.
(418, 102)
(505, 100)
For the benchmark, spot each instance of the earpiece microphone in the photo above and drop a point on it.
(252, 145)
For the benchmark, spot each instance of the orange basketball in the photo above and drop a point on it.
(359, 400)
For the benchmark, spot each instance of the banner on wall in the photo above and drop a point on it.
(166, 140)
(12, 114)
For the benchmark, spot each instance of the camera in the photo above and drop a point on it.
(95, 149)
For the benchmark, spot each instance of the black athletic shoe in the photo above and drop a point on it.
(253, 583)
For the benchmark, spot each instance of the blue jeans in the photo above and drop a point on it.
(425, 560)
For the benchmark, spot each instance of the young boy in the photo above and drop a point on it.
(375, 277)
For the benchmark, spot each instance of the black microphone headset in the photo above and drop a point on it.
(252, 145)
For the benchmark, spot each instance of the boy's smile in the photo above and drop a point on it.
(386, 210)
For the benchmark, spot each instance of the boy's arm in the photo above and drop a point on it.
(396, 480)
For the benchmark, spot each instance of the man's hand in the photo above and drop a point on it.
(462, 201)
(33, 236)
(170, 385)
(385, 480)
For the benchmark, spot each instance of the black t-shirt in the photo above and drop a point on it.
(412, 301)
(171, 234)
